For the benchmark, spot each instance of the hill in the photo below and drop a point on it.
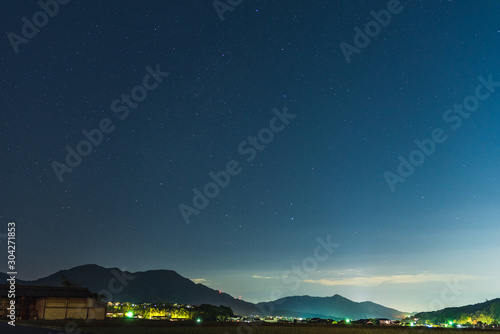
(335, 307)
(487, 312)
(170, 287)
(148, 286)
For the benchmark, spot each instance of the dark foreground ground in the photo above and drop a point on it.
(133, 326)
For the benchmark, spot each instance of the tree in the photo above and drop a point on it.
(67, 283)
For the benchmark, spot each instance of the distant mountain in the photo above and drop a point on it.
(168, 286)
(487, 312)
(149, 286)
(335, 307)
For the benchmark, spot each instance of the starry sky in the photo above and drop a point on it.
(217, 81)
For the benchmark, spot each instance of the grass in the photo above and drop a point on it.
(133, 326)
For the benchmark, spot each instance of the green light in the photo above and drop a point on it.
(347, 321)
(129, 314)
(198, 320)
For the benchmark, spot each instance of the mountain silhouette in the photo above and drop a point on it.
(335, 307)
(168, 286)
(487, 312)
(146, 286)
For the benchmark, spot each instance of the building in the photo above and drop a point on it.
(383, 321)
(52, 303)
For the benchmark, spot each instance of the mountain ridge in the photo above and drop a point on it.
(163, 285)
(335, 306)
(485, 312)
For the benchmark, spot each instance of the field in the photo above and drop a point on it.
(133, 326)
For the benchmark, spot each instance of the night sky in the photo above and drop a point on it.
(308, 129)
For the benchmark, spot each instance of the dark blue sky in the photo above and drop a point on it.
(321, 175)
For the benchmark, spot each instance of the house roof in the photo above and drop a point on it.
(47, 291)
